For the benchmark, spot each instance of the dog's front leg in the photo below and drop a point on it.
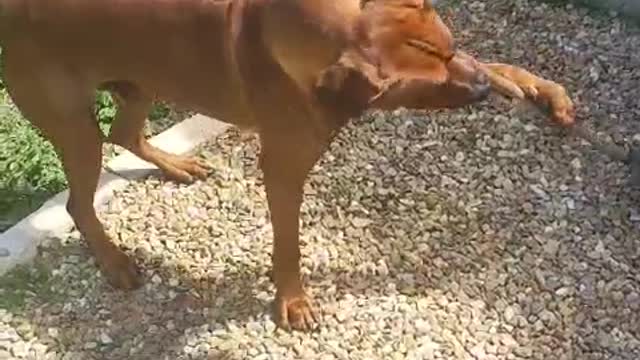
(514, 81)
(286, 160)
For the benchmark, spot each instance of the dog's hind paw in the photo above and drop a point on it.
(119, 269)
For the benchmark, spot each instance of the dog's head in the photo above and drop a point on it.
(408, 44)
(406, 37)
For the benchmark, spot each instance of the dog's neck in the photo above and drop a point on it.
(307, 36)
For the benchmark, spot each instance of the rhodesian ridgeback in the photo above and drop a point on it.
(295, 71)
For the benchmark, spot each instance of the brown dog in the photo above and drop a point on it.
(293, 70)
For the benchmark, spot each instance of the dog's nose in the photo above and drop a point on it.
(482, 86)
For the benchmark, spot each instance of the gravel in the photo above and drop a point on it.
(480, 233)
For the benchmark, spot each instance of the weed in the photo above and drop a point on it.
(106, 110)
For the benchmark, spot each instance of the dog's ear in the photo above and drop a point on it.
(349, 84)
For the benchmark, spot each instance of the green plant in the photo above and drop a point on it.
(29, 167)
(26, 160)
(159, 111)
(106, 110)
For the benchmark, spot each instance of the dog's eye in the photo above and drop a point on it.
(422, 46)
(428, 48)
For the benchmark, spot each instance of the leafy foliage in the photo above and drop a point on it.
(106, 110)
(29, 167)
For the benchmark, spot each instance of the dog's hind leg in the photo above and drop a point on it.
(60, 104)
(127, 131)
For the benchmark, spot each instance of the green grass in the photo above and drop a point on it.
(30, 171)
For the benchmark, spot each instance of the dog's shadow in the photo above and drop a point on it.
(155, 322)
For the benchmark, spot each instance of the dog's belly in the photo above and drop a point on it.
(210, 88)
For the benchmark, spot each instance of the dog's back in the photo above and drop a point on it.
(176, 50)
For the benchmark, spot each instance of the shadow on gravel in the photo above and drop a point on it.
(151, 322)
(500, 263)
(521, 256)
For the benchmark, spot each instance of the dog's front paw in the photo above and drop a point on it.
(295, 311)
(184, 169)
